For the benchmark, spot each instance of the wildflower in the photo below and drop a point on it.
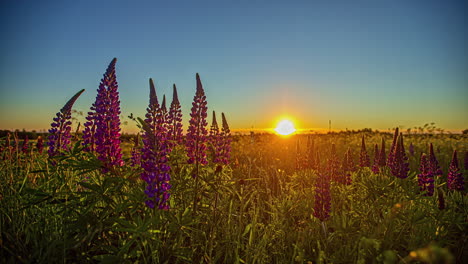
(310, 153)
(455, 179)
(363, 156)
(466, 160)
(375, 166)
(411, 149)
(322, 202)
(399, 166)
(154, 155)
(175, 120)
(391, 153)
(333, 166)
(382, 155)
(225, 153)
(25, 146)
(59, 134)
(102, 130)
(197, 132)
(433, 163)
(347, 167)
(40, 144)
(136, 152)
(426, 177)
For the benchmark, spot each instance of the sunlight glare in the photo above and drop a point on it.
(285, 127)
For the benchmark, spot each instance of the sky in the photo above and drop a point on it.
(361, 64)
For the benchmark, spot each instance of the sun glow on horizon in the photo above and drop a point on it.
(285, 127)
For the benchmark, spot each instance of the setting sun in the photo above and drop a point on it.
(285, 127)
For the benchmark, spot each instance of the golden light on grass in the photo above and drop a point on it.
(285, 127)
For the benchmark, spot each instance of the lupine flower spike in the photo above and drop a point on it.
(455, 179)
(333, 167)
(102, 130)
(154, 155)
(375, 166)
(197, 132)
(391, 153)
(399, 166)
(347, 167)
(59, 133)
(433, 163)
(225, 153)
(411, 149)
(25, 146)
(322, 202)
(175, 120)
(364, 160)
(40, 144)
(136, 152)
(426, 177)
(466, 160)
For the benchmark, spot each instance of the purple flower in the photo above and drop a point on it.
(455, 179)
(347, 167)
(433, 163)
(411, 149)
(333, 167)
(136, 152)
(391, 153)
(102, 130)
(382, 155)
(154, 155)
(364, 160)
(175, 120)
(197, 132)
(426, 177)
(40, 144)
(466, 160)
(25, 146)
(215, 139)
(59, 133)
(375, 166)
(225, 152)
(322, 201)
(399, 166)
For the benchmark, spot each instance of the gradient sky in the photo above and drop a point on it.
(375, 63)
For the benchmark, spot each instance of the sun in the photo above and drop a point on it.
(285, 127)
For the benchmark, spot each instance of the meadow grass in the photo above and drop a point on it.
(258, 209)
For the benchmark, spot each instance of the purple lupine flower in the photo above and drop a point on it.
(197, 132)
(433, 163)
(391, 153)
(347, 168)
(382, 155)
(40, 144)
(375, 166)
(322, 201)
(25, 146)
(154, 155)
(225, 153)
(175, 120)
(102, 130)
(333, 167)
(364, 160)
(400, 165)
(455, 179)
(426, 177)
(411, 149)
(136, 152)
(215, 139)
(59, 134)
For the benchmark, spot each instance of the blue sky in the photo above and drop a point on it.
(377, 64)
